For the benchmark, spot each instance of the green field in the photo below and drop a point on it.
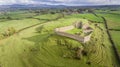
(16, 15)
(116, 38)
(18, 24)
(88, 16)
(112, 20)
(113, 23)
(47, 16)
(40, 46)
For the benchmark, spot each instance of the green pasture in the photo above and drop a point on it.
(116, 38)
(47, 16)
(40, 46)
(112, 20)
(88, 16)
(16, 15)
(18, 24)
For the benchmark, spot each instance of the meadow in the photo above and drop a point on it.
(40, 46)
(89, 16)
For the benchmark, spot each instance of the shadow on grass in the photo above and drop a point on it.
(39, 39)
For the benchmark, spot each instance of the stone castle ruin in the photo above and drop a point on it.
(87, 30)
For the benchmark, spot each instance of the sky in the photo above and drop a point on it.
(62, 2)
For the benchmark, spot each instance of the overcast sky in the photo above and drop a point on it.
(62, 2)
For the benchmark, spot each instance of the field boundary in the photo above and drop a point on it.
(111, 40)
(33, 26)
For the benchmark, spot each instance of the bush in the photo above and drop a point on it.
(6, 33)
(1, 36)
(79, 51)
(9, 18)
(10, 31)
(39, 29)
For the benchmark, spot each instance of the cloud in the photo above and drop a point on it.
(6, 2)
(62, 2)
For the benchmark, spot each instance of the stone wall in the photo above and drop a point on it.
(76, 37)
(87, 38)
(61, 31)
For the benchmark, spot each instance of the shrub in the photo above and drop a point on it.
(11, 30)
(39, 29)
(1, 36)
(6, 33)
(79, 51)
(9, 18)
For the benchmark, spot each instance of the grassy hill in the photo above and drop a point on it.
(39, 46)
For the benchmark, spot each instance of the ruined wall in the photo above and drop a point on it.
(87, 38)
(63, 29)
(76, 37)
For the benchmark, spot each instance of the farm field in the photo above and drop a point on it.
(116, 38)
(89, 16)
(19, 24)
(113, 22)
(16, 15)
(40, 46)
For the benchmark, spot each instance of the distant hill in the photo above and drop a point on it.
(33, 6)
(50, 6)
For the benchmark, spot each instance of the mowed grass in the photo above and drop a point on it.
(43, 48)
